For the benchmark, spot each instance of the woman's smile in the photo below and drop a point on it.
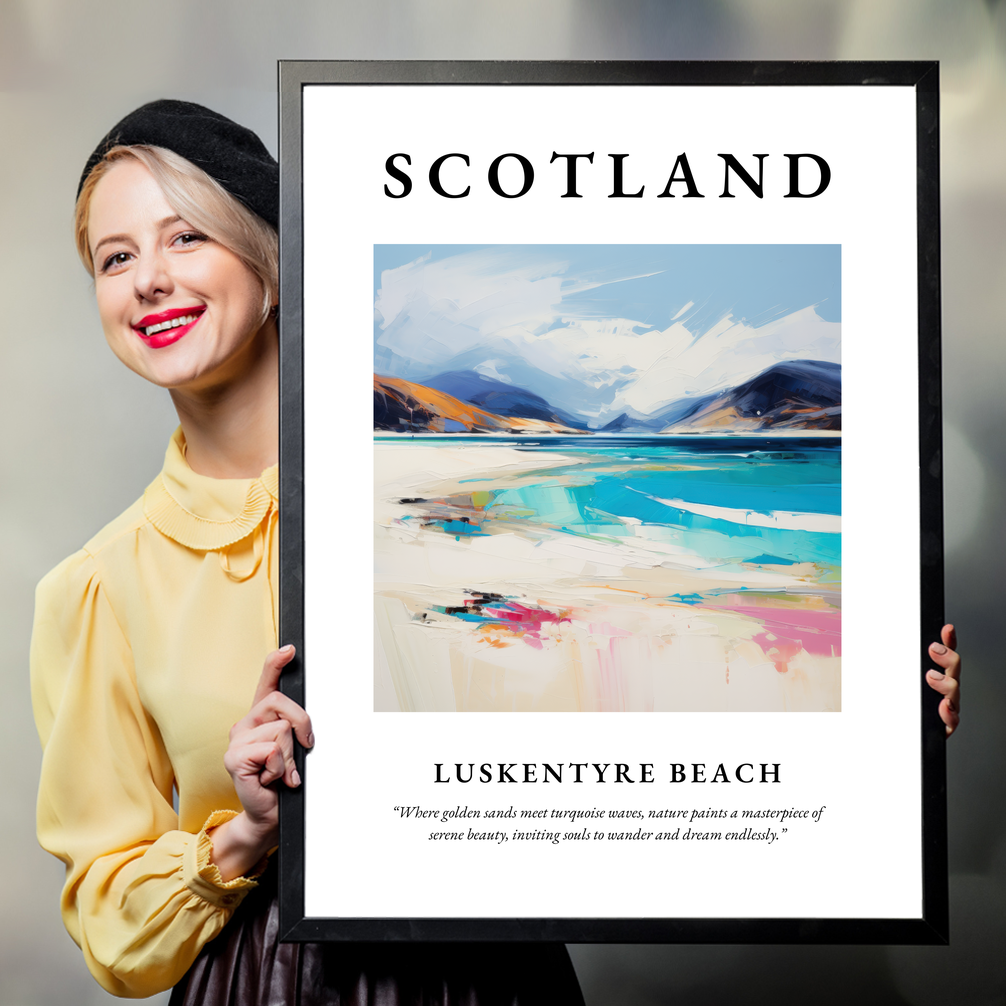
(166, 327)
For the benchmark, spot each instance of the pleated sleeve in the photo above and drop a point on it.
(141, 897)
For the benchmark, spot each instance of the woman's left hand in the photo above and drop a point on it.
(948, 681)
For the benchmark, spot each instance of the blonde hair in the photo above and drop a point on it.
(199, 200)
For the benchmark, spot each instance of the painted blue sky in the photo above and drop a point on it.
(598, 330)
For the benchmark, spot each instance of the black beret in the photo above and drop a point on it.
(231, 154)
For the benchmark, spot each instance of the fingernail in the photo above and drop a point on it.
(936, 676)
(938, 648)
(310, 740)
(295, 777)
(287, 649)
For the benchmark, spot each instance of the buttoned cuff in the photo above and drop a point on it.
(202, 876)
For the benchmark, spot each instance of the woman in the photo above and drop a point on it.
(148, 643)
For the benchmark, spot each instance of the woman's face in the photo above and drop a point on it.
(177, 308)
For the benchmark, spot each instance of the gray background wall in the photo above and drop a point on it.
(82, 436)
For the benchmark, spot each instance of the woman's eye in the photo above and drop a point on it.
(190, 238)
(114, 261)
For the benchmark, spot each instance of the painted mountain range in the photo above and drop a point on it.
(791, 396)
(405, 407)
(796, 395)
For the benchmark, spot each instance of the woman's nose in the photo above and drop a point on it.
(152, 277)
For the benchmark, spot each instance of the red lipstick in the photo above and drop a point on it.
(165, 333)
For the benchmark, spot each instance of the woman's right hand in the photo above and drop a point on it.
(260, 753)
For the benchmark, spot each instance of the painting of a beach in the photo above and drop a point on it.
(607, 478)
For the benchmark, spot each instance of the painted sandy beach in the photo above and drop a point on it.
(607, 573)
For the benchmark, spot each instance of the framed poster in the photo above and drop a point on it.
(611, 501)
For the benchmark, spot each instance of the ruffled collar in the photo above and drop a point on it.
(203, 513)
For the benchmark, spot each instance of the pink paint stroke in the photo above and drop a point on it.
(794, 629)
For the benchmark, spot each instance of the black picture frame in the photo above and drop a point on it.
(932, 926)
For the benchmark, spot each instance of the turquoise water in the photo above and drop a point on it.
(624, 488)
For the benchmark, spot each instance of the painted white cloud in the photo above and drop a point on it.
(460, 302)
(728, 354)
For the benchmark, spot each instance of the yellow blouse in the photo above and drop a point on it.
(147, 647)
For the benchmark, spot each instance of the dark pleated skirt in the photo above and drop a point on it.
(246, 965)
